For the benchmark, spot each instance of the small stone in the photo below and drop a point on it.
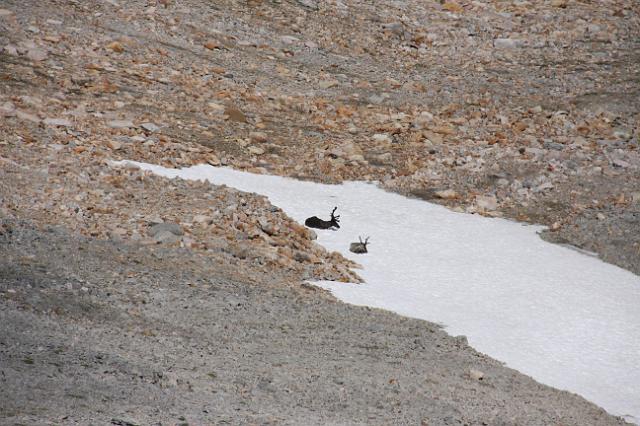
(266, 227)
(543, 187)
(549, 144)
(8, 109)
(476, 374)
(309, 4)
(213, 160)
(235, 114)
(487, 202)
(120, 124)
(10, 49)
(623, 133)
(153, 220)
(452, 7)
(115, 46)
(256, 150)
(555, 226)
(600, 216)
(447, 194)
(394, 27)
(616, 162)
(27, 117)
(37, 54)
(114, 145)
(150, 127)
(289, 39)
(385, 158)
(189, 243)
(5, 12)
(173, 228)
(506, 43)
(59, 122)
(382, 137)
(201, 218)
(81, 80)
(216, 107)
(258, 137)
(300, 256)
(212, 45)
(166, 237)
(327, 84)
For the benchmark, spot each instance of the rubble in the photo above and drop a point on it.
(531, 102)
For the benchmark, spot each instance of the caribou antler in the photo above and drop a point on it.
(333, 216)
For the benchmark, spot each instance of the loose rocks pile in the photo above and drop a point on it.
(527, 110)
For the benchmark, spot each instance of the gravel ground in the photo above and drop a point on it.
(99, 332)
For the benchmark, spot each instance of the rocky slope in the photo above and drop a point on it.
(102, 332)
(523, 109)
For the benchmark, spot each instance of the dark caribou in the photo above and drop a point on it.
(315, 222)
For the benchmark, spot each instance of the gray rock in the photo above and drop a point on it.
(81, 81)
(549, 144)
(446, 194)
(27, 117)
(616, 162)
(476, 374)
(11, 49)
(394, 27)
(309, 4)
(543, 187)
(487, 202)
(385, 158)
(120, 124)
(150, 127)
(37, 54)
(507, 43)
(535, 151)
(623, 133)
(58, 122)
(166, 237)
(173, 228)
(377, 99)
(287, 39)
(8, 109)
(266, 227)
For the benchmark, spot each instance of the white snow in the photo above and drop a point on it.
(567, 319)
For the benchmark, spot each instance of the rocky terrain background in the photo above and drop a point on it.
(527, 110)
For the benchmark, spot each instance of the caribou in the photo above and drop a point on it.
(315, 222)
(360, 247)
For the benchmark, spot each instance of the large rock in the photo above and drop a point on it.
(158, 228)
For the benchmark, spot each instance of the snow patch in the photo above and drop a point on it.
(567, 319)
